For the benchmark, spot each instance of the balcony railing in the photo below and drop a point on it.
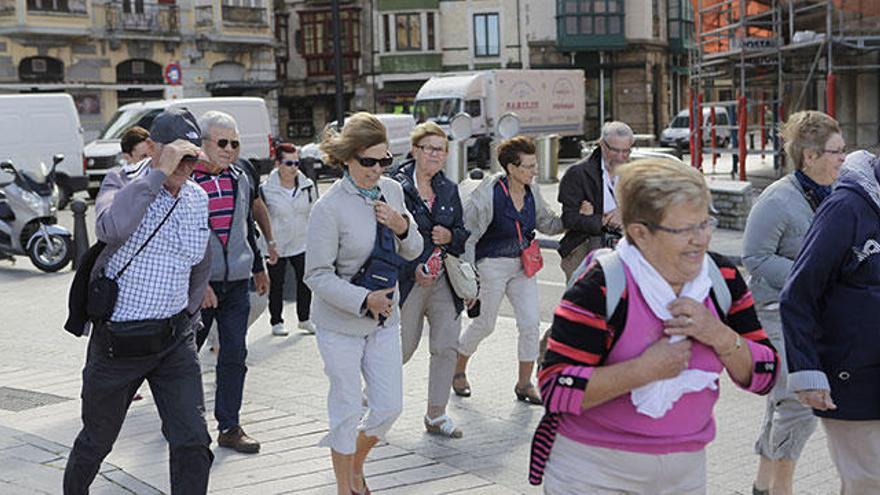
(254, 16)
(142, 17)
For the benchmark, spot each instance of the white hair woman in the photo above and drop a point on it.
(600, 434)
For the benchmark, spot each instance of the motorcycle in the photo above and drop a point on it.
(28, 225)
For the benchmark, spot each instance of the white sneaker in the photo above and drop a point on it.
(307, 326)
(279, 330)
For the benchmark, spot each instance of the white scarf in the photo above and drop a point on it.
(658, 397)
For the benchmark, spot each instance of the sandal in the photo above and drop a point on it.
(529, 395)
(443, 425)
(463, 391)
(366, 488)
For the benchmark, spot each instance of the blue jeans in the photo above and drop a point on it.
(233, 306)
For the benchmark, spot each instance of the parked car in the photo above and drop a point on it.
(677, 134)
(34, 127)
(250, 114)
(399, 127)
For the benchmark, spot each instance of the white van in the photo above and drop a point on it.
(250, 114)
(677, 135)
(399, 126)
(34, 127)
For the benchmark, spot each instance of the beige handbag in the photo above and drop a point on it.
(462, 277)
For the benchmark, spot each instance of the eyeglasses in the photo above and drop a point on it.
(291, 163)
(621, 151)
(223, 143)
(368, 162)
(431, 150)
(841, 151)
(693, 230)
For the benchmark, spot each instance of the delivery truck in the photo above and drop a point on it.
(546, 102)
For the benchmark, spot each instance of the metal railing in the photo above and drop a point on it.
(257, 16)
(132, 16)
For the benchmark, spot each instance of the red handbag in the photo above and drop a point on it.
(531, 258)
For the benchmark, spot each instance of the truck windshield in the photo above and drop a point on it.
(125, 119)
(438, 110)
(680, 121)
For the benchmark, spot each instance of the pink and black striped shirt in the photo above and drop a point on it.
(221, 199)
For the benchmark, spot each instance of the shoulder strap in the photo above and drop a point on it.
(121, 271)
(719, 287)
(615, 279)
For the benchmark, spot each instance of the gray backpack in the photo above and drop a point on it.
(615, 280)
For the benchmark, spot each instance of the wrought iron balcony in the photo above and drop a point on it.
(137, 16)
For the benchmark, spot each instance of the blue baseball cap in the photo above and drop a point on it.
(174, 124)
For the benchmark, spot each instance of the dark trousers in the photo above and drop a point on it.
(276, 288)
(231, 313)
(110, 383)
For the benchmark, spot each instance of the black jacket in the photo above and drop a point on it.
(446, 211)
(582, 181)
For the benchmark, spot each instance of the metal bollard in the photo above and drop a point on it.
(80, 231)
(548, 158)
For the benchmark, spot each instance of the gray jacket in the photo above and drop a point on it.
(341, 235)
(236, 261)
(479, 210)
(774, 233)
(125, 195)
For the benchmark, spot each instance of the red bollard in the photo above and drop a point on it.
(743, 123)
(830, 95)
(699, 138)
(714, 138)
(692, 130)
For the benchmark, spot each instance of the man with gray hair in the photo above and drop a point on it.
(593, 180)
(235, 258)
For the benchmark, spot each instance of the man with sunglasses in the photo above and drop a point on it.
(236, 258)
(592, 180)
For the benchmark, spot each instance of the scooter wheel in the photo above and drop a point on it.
(53, 255)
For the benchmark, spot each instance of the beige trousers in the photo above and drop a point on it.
(578, 469)
(435, 303)
(855, 450)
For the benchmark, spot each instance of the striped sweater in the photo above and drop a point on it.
(221, 199)
(582, 338)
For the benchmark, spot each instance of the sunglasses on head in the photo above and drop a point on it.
(368, 162)
(290, 163)
(226, 142)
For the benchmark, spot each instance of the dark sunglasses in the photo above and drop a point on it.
(371, 162)
(291, 163)
(225, 142)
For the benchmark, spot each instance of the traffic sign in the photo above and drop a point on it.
(173, 74)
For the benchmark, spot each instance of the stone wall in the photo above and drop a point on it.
(732, 201)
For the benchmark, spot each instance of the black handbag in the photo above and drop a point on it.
(382, 268)
(104, 290)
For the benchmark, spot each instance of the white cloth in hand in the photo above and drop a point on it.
(657, 398)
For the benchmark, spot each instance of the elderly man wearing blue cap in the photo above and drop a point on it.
(148, 283)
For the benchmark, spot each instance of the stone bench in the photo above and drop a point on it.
(732, 201)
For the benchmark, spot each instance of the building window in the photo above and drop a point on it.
(66, 6)
(409, 32)
(596, 17)
(317, 37)
(431, 42)
(657, 18)
(680, 22)
(386, 32)
(486, 36)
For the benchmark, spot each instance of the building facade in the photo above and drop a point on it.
(110, 53)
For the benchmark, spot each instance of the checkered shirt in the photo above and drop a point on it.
(156, 284)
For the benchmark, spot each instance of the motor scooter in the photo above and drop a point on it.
(28, 222)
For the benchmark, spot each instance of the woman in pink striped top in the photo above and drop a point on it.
(629, 396)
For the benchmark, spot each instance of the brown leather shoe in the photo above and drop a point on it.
(238, 440)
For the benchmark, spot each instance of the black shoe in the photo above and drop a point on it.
(236, 439)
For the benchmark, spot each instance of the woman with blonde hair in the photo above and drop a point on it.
(774, 234)
(637, 345)
(359, 234)
(425, 289)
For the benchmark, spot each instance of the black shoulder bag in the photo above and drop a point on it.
(103, 291)
(381, 269)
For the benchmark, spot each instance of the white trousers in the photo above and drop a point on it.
(578, 469)
(500, 277)
(855, 450)
(347, 359)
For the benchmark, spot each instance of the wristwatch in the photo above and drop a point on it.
(736, 346)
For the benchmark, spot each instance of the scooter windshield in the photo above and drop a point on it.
(36, 181)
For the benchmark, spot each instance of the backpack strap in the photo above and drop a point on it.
(719, 287)
(615, 279)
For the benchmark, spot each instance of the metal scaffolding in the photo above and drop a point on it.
(759, 59)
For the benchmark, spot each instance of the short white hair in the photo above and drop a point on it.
(215, 119)
(613, 128)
